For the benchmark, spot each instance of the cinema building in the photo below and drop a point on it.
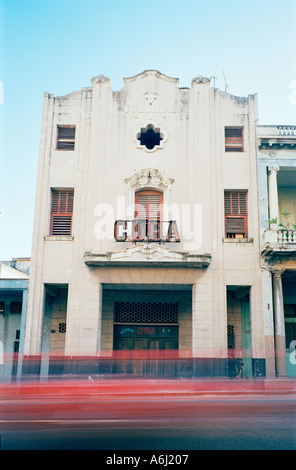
(146, 234)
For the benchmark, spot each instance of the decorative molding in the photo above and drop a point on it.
(278, 273)
(273, 169)
(278, 257)
(100, 79)
(148, 177)
(276, 143)
(147, 255)
(150, 97)
(201, 80)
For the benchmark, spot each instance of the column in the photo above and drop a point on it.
(273, 194)
(22, 334)
(267, 292)
(279, 319)
(194, 319)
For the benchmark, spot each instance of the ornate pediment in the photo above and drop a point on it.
(148, 255)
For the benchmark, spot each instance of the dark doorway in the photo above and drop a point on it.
(146, 350)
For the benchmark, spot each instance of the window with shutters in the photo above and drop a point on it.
(234, 141)
(66, 138)
(236, 214)
(148, 214)
(61, 211)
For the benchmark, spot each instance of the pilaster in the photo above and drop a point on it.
(279, 318)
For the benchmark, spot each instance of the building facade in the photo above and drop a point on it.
(146, 233)
(277, 189)
(14, 280)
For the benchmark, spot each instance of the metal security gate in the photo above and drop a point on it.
(146, 337)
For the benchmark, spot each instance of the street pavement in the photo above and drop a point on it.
(149, 415)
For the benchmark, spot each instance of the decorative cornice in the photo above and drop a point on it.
(276, 143)
(148, 255)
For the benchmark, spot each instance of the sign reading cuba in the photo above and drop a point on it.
(146, 230)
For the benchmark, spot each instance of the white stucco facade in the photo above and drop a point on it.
(76, 278)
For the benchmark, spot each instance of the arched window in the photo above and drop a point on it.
(148, 214)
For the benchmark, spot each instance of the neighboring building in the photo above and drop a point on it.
(14, 280)
(146, 233)
(277, 186)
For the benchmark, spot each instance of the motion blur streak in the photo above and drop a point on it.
(117, 409)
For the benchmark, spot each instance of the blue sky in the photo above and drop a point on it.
(57, 46)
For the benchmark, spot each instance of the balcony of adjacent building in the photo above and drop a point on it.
(279, 239)
(276, 138)
(277, 196)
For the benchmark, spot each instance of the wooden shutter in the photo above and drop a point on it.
(233, 139)
(235, 203)
(148, 211)
(61, 212)
(234, 226)
(142, 206)
(148, 205)
(236, 214)
(66, 138)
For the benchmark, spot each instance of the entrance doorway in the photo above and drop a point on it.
(146, 350)
(239, 332)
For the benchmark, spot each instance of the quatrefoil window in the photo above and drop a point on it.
(150, 137)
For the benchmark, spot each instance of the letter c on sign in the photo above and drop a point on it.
(120, 231)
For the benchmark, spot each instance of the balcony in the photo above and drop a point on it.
(277, 137)
(279, 244)
(286, 130)
(286, 236)
(279, 237)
